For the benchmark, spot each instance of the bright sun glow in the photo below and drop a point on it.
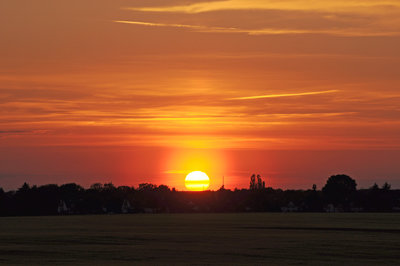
(197, 181)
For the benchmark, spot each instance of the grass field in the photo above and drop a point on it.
(250, 238)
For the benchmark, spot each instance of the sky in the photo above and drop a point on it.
(141, 91)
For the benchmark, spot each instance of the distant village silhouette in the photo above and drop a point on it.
(339, 194)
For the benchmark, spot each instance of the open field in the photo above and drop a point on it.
(250, 238)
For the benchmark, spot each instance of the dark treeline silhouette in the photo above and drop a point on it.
(340, 194)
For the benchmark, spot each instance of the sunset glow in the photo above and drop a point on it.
(200, 132)
(146, 91)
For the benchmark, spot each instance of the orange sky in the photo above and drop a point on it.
(144, 91)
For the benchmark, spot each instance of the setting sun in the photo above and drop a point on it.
(197, 181)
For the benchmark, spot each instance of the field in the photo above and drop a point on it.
(250, 238)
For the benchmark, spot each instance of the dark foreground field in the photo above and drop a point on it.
(276, 238)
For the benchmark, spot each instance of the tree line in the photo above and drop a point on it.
(339, 194)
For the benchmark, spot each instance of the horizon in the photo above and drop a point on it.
(130, 92)
(137, 186)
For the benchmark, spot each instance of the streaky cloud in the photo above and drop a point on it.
(329, 5)
(174, 25)
(270, 31)
(283, 95)
(152, 24)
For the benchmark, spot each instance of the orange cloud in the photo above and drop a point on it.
(328, 5)
(265, 31)
(338, 18)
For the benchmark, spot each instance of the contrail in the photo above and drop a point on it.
(283, 95)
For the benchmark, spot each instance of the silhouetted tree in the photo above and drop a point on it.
(24, 189)
(379, 199)
(340, 189)
(163, 189)
(256, 182)
(260, 183)
(97, 186)
(375, 187)
(253, 182)
(106, 198)
(125, 189)
(147, 187)
(386, 186)
(109, 187)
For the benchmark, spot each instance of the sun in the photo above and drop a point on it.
(197, 181)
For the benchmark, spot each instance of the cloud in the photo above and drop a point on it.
(330, 6)
(271, 17)
(13, 131)
(196, 27)
(284, 95)
(264, 31)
